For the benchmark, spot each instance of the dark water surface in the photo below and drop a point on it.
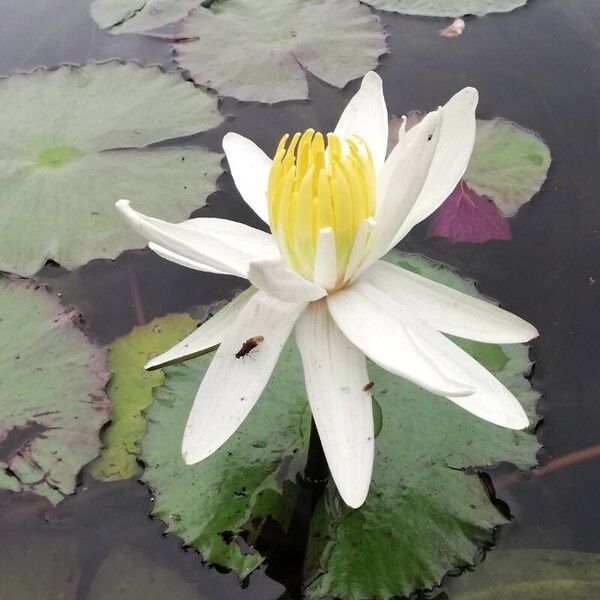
(538, 66)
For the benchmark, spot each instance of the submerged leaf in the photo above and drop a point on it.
(139, 16)
(530, 574)
(74, 141)
(446, 8)
(258, 49)
(130, 391)
(52, 401)
(465, 216)
(424, 514)
(509, 164)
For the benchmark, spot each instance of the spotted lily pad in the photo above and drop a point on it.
(509, 164)
(74, 141)
(446, 8)
(530, 574)
(52, 401)
(130, 391)
(424, 515)
(139, 16)
(466, 216)
(258, 49)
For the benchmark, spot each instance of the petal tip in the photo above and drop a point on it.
(372, 78)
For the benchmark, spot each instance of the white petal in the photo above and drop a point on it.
(360, 247)
(231, 386)
(451, 158)
(491, 401)
(335, 373)
(370, 320)
(183, 261)
(449, 310)
(278, 280)
(402, 179)
(325, 273)
(209, 335)
(221, 244)
(366, 116)
(250, 168)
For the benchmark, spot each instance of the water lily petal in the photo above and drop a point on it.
(325, 273)
(491, 401)
(447, 309)
(206, 337)
(221, 244)
(250, 168)
(274, 277)
(366, 116)
(183, 261)
(370, 320)
(231, 386)
(335, 372)
(401, 181)
(451, 158)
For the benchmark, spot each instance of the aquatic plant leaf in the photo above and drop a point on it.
(446, 8)
(424, 514)
(223, 501)
(528, 574)
(139, 16)
(52, 401)
(258, 49)
(509, 164)
(130, 391)
(74, 141)
(465, 216)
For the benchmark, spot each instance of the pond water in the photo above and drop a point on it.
(538, 66)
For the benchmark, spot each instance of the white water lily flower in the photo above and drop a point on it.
(335, 205)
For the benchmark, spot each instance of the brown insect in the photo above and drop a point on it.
(249, 345)
(368, 386)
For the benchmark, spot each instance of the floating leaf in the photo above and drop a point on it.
(258, 49)
(465, 216)
(138, 16)
(130, 391)
(446, 8)
(73, 143)
(52, 401)
(424, 514)
(534, 574)
(509, 164)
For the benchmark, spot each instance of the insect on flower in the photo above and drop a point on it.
(249, 345)
(368, 386)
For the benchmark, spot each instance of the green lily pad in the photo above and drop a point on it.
(509, 164)
(74, 141)
(139, 16)
(258, 49)
(130, 390)
(446, 8)
(533, 574)
(425, 513)
(52, 401)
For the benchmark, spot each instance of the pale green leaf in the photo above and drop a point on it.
(509, 164)
(74, 142)
(446, 8)
(258, 49)
(52, 401)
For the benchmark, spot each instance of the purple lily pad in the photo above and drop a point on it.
(466, 216)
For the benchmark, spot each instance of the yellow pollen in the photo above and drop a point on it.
(315, 184)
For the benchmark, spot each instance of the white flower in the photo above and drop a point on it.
(335, 206)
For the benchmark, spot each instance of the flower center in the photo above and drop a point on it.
(317, 183)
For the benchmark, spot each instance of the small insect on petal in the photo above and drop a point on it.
(249, 345)
(368, 386)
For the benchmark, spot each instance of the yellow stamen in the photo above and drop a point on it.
(313, 185)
